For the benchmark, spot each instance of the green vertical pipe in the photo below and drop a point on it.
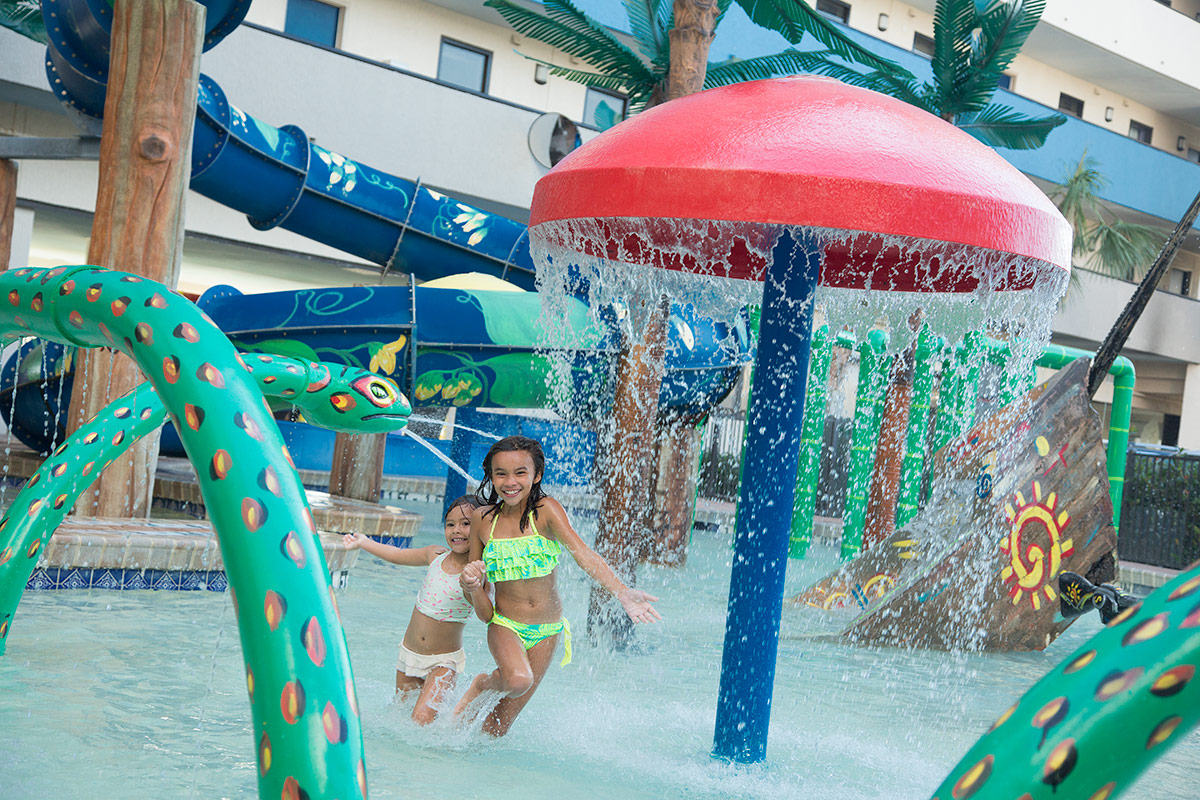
(1056, 357)
(947, 398)
(918, 429)
(872, 374)
(969, 393)
(812, 434)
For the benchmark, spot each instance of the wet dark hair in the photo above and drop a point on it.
(468, 500)
(487, 494)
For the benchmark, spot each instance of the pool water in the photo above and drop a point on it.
(141, 694)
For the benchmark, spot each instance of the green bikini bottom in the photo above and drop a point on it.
(530, 633)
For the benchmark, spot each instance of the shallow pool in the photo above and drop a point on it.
(112, 694)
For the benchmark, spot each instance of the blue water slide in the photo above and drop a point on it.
(277, 177)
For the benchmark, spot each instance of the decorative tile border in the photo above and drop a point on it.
(44, 578)
(50, 578)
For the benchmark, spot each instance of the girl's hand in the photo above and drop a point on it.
(473, 576)
(352, 541)
(637, 605)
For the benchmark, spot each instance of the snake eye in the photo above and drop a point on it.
(379, 392)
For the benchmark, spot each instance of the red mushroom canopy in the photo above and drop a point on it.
(899, 198)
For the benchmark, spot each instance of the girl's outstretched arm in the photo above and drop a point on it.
(637, 604)
(404, 556)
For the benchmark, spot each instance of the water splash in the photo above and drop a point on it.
(441, 457)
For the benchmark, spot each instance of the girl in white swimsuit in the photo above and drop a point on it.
(431, 654)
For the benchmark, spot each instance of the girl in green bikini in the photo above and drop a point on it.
(516, 538)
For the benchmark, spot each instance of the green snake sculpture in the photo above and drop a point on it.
(1088, 728)
(332, 396)
(305, 714)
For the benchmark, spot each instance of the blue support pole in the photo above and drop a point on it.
(460, 453)
(760, 549)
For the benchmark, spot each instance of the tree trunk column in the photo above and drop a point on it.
(145, 156)
(627, 464)
(695, 21)
(889, 456)
(677, 476)
(357, 469)
(8, 209)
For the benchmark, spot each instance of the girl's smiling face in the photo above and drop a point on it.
(458, 529)
(513, 475)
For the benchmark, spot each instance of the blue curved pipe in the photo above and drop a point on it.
(278, 178)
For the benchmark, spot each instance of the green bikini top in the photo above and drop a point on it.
(520, 557)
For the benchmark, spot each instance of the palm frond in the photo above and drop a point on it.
(599, 80)
(1004, 27)
(882, 81)
(24, 17)
(664, 15)
(787, 62)
(643, 24)
(953, 24)
(1077, 197)
(1001, 126)
(794, 18)
(1126, 249)
(588, 42)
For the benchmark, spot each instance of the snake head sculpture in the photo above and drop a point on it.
(340, 398)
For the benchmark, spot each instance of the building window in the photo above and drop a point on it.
(603, 109)
(1193, 155)
(462, 65)
(834, 10)
(1005, 81)
(1070, 105)
(1143, 133)
(313, 21)
(1180, 282)
(922, 44)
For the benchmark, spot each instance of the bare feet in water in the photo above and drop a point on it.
(473, 691)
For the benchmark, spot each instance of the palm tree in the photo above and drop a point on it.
(643, 76)
(1102, 241)
(972, 47)
(24, 17)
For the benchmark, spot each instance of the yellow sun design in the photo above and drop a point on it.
(1035, 546)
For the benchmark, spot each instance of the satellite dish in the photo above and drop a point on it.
(551, 137)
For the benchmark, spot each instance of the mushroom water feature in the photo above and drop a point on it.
(758, 193)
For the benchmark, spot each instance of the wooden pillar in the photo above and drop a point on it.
(889, 456)
(145, 157)
(8, 209)
(675, 493)
(627, 463)
(357, 469)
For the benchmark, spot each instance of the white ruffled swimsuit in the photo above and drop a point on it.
(441, 597)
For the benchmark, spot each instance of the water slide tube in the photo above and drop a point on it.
(277, 177)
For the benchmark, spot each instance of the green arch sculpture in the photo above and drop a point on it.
(305, 714)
